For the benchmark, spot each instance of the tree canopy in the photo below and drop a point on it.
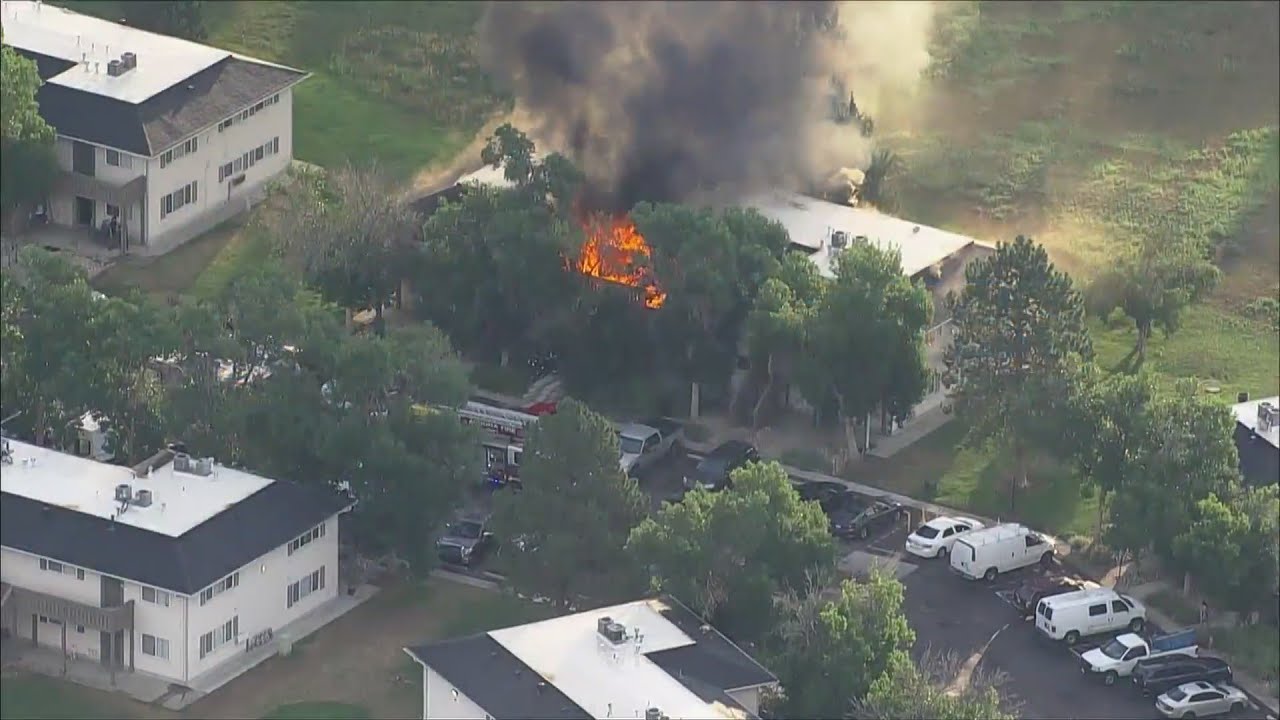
(573, 514)
(180, 18)
(727, 554)
(27, 163)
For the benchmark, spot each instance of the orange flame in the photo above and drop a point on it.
(613, 253)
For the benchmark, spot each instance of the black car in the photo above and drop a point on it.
(1158, 675)
(853, 516)
(1030, 593)
(819, 490)
(712, 472)
(464, 542)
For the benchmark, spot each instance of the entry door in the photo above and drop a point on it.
(84, 211)
(112, 595)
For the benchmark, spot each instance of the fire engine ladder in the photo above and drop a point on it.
(512, 422)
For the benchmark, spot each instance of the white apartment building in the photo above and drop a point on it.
(167, 136)
(172, 568)
(651, 658)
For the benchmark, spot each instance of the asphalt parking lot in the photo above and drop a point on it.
(951, 614)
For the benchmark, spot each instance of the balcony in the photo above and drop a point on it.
(94, 188)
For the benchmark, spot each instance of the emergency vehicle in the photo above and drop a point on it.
(503, 442)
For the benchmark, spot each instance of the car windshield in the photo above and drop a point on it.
(1176, 695)
(927, 532)
(1114, 649)
(630, 445)
(468, 529)
(713, 466)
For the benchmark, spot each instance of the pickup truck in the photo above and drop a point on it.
(1119, 657)
(645, 443)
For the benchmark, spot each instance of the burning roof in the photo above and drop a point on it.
(616, 252)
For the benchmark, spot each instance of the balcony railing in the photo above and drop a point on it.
(95, 188)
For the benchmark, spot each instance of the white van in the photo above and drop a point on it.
(1071, 616)
(987, 553)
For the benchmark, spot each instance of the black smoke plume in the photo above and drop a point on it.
(671, 101)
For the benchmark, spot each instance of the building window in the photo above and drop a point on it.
(258, 153)
(299, 542)
(61, 568)
(113, 157)
(223, 585)
(155, 647)
(275, 145)
(304, 587)
(222, 635)
(187, 148)
(80, 629)
(155, 596)
(184, 195)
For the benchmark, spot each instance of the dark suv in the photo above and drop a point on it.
(465, 541)
(1155, 676)
(712, 473)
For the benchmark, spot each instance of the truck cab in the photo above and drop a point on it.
(1118, 658)
(641, 445)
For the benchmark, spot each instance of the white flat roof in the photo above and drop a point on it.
(809, 222)
(180, 501)
(487, 175)
(608, 680)
(162, 61)
(1247, 415)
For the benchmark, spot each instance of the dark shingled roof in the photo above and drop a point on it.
(1259, 459)
(151, 127)
(485, 671)
(185, 564)
(713, 660)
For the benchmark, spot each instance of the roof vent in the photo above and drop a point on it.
(614, 632)
(142, 498)
(915, 229)
(124, 493)
(115, 68)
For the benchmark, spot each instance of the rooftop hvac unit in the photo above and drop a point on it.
(124, 493)
(142, 498)
(654, 713)
(839, 239)
(1268, 417)
(6, 453)
(182, 463)
(115, 68)
(129, 60)
(204, 467)
(614, 632)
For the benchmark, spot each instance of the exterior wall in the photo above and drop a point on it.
(260, 601)
(439, 701)
(748, 698)
(62, 206)
(218, 200)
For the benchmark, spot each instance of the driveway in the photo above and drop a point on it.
(950, 614)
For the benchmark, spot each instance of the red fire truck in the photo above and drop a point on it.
(503, 442)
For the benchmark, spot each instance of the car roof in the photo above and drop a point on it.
(730, 447)
(636, 430)
(1087, 595)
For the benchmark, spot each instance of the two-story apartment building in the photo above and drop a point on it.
(171, 568)
(166, 136)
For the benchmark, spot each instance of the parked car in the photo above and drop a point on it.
(465, 541)
(713, 471)
(935, 538)
(643, 444)
(852, 516)
(1159, 675)
(1201, 699)
(1003, 548)
(1030, 593)
(1119, 657)
(1071, 616)
(819, 490)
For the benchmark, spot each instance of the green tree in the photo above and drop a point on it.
(1152, 284)
(575, 510)
(827, 653)
(1110, 426)
(864, 344)
(1259, 578)
(906, 692)
(727, 554)
(1190, 454)
(775, 328)
(180, 18)
(27, 163)
(1018, 323)
(353, 235)
(1210, 546)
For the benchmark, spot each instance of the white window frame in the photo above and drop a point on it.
(61, 568)
(310, 583)
(156, 647)
(305, 538)
(223, 585)
(224, 634)
(157, 596)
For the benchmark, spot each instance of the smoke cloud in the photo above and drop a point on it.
(675, 101)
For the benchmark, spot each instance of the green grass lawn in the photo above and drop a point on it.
(35, 697)
(317, 711)
(396, 83)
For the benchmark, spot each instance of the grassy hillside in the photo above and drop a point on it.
(392, 82)
(1090, 125)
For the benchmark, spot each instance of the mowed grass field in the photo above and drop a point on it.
(393, 83)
